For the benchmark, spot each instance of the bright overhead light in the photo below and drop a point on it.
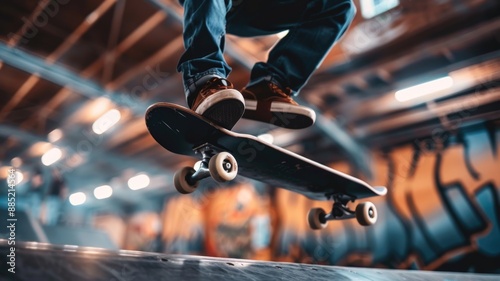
(52, 156)
(19, 177)
(138, 182)
(16, 162)
(55, 135)
(77, 198)
(106, 121)
(424, 89)
(102, 192)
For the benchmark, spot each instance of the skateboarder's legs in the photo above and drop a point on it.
(204, 31)
(203, 67)
(314, 26)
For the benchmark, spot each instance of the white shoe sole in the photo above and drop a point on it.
(280, 107)
(219, 96)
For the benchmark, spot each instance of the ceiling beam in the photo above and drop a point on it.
(379, 58)
(14, 40)
(113, 40)
(19, 95)
(31, 82)
(21, 135)
(62, 76)
(134, 37)
(89, 21)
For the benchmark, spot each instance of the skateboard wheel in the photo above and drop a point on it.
(181, 183)
(223, 167)
(366, 213)
(316, 218)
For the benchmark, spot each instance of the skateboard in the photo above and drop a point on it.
(224, 154)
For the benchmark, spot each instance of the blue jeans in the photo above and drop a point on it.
(314, 26)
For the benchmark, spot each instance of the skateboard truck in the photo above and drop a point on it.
(365, 213)
(202, 171)
(221, 166)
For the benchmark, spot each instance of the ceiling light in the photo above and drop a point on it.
(19, 177)
(16, 162)
(424, 89)
(55, 135)
(78, 198)
(106, 121)
(138, 182)
(103, 192)
(52, 156)
(39, 148)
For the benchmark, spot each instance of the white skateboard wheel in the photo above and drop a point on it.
(366, 213)
(181, 183)
(223, 167)
(316, 218)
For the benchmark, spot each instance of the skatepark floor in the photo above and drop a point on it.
(38, 261)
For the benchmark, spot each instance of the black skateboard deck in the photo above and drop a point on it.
(182, 131)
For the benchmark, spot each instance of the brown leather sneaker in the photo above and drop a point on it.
(219, 102)
(267, 102)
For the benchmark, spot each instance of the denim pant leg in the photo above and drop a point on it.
(204, 38)
(312, 33)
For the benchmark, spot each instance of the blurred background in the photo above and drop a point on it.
(408, 99)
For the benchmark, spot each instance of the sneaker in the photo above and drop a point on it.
(219, 102)
(267, 102)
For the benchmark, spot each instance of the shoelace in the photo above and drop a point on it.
(284, 93)
(207, 87)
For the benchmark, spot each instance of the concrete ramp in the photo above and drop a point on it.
(40, 262)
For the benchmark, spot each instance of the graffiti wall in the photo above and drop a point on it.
(442, 211)
(221, 221)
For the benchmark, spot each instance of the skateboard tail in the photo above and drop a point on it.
(170, 126)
